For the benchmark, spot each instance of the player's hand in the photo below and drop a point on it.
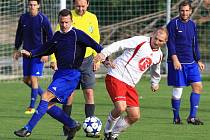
(109, 64)
(16, 54)
(96, 66)
(53, 65)
(99, 58)
(25, 53)
(177, 65)
(201, 65)
(155, 87)
(44, 59)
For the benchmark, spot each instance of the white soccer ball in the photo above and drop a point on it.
(92, 125)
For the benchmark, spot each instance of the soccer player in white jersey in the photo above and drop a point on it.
(140, 53)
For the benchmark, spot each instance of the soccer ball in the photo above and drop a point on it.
(92, 125)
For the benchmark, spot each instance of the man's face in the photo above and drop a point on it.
(65, 23)
(185, 13)
(33, 7)
(158, 39)
(81, 6)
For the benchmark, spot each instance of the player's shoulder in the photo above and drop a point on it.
(78, 31)
(43, 16)
(173, 21)
(89, 14)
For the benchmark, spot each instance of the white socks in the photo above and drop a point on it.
(116, 126)
(119, 127)
(110, 123)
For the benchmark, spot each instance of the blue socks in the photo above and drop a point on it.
(176, 107)
(40, 91)
(40, 111)
(58, 114)
(34, 93)
(194, 103)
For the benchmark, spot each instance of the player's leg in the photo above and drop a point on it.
(36, 68)
(87, 84)
(114, 115)
(195, 78)
(177, 79)
(61, 89)
(27, 81)
(71, 126)
(133, 114)
(175, 103)
(117, 92)
(40, 112)
(67, 108)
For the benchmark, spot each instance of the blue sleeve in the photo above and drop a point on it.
(171, 39)
(196, 46)
(47, 49)
(86, 40)
(19, 35)
(48, 33)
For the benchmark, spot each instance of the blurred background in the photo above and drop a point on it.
(118, 19)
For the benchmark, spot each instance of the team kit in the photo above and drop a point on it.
(75, 53)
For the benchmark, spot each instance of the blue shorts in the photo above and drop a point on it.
(188, 74)
(64, 83)
(32, 67)
(87, 80)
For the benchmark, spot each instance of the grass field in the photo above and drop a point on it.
(155, 122)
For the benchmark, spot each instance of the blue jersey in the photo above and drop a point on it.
(69, 48)
(182, 41)
(33, 31)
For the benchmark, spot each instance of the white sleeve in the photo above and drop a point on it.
(119, 45)
(155, 74)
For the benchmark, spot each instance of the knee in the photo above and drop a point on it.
(121, 109)
(133, 119)
(47, 96)
(197, 88)
(88, 94)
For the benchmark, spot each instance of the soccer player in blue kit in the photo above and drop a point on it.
(33, 30)
(68, 45)
(184, 62)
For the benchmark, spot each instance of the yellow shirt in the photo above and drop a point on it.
(87, 23)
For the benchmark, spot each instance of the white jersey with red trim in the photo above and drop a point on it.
(137, 57)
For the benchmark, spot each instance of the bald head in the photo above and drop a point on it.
(159, 38)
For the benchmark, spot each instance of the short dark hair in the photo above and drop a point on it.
(38, 1)
(65, 12)
(86, 0)
(185, 3)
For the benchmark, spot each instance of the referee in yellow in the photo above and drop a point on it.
(87, 22)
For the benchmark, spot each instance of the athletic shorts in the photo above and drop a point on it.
(120, 91)
(63, 84)
(87, 80)
(32, 67)
(188, 74)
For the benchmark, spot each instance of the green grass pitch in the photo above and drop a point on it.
(155, 122)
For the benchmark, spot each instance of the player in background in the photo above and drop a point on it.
(69, 45)
(184, 62)
(87, 22)
(33, 30)
(140, 53)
